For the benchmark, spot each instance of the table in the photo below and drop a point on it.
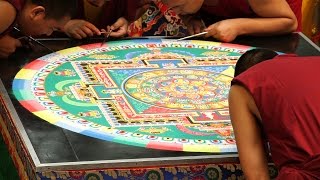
(43, 151)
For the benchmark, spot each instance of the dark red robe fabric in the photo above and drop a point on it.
(227, 9)
(111, 11)
(17, 4)
(287, 94)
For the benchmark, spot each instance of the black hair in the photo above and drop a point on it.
(57, 9)
(253, 57)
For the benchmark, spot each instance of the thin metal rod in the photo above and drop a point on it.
(195, 35)
(106, 37)
(36, 41)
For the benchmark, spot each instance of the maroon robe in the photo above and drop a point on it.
(286, 92)
(112, 10)
(227, 9)
(18, 5)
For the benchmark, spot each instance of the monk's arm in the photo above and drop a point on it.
(244, 113)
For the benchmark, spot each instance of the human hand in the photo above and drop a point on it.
(225, 31)
(8, 45)
(80, 29)
(119, 28)
(96, 3)
(194, 25)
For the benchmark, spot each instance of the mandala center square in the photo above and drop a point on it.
(183, 89)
